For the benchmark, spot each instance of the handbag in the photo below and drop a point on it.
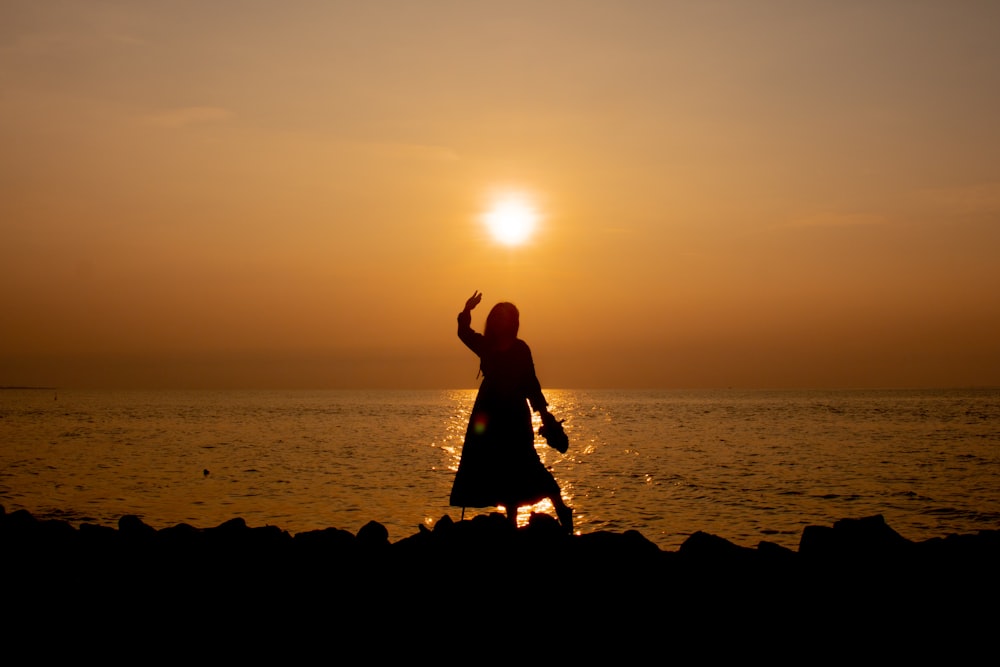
(554, 433)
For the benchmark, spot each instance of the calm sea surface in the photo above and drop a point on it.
(747, 466)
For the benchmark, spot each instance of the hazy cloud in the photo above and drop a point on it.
(413, 151)
(833, 219)
(46, 42)
(39, 43)
(979, 198)
(185, 116)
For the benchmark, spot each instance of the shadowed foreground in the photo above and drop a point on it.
(857, 579)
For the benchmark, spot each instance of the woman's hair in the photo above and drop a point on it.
(502, 323)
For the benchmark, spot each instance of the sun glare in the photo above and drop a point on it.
(511, 219)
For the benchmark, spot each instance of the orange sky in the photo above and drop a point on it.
(288, 195)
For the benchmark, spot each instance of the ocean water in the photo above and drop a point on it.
(745, 465)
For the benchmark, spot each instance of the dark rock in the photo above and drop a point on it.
(443, 524)
(98, 531)
(465, 564)
(18, 523)
(606, 546)
(854, 578)
(776, 553)
(327, 540)
(179, 534)
(232, 526)
(971, 552)
(711, 548)
(132, 527)
(420, 545)
(540, 523)
(373, 535)
(853, 541)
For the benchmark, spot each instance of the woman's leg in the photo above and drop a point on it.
(512, 514)
(564, 512)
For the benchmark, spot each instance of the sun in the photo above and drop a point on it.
(511, 219)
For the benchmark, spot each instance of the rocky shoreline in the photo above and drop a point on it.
(858, 572)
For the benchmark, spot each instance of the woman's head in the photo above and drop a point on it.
(502, 323)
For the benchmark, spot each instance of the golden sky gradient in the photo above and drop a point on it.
(289, 194)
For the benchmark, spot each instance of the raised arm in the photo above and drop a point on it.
(465, 332)
(473, 301)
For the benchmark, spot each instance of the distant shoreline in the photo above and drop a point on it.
(29, 387)
(985, 387)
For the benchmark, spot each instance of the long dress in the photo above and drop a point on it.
(499, 465)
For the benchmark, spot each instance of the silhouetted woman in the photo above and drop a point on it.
(499, 465)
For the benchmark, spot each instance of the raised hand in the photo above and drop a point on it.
(473, 301)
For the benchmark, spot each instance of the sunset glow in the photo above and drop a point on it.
(511, 219)
(675, 194)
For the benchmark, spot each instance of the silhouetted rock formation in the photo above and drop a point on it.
(859, 573)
